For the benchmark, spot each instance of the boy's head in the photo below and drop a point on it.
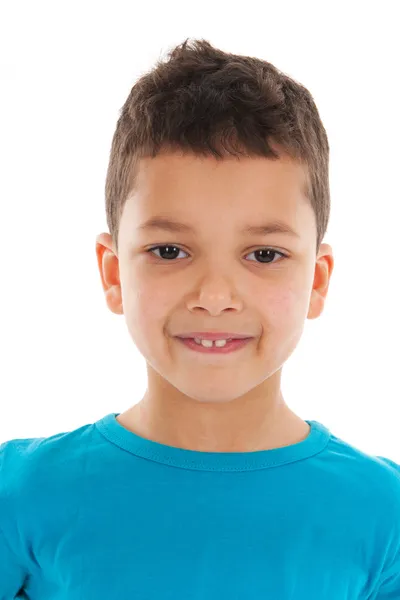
(219, 143)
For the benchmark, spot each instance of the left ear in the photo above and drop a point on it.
(322, 276)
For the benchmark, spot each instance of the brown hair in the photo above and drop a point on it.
(209, 102)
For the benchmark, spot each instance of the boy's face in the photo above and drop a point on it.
(215, 281)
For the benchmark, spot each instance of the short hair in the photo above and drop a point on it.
(208, 102)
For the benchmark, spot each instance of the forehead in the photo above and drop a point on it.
(234, 193)
(183, 173)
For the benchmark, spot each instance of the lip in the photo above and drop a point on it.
(222, 335)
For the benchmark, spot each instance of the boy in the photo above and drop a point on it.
(210, 487)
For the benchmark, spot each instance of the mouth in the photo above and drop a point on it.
(214, 347)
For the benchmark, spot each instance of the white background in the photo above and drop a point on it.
(66, 69)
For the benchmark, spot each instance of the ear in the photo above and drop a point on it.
(108, 264)
(322, 276)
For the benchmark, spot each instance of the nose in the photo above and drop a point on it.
(215, 302)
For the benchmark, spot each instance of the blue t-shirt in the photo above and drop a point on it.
(101, 513)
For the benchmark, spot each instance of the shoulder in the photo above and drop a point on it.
(15, 456)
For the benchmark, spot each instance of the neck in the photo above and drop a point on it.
(242, 425)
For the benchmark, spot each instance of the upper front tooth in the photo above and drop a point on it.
(209, 343)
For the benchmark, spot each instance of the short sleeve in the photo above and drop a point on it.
(389, 583)
(389, 586)
(12, 573)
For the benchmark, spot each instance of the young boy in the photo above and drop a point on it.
(210, 487)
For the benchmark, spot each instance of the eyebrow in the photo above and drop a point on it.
(174, 226)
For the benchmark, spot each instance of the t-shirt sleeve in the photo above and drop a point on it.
(12, 572)
(389, 583)
(389, 586)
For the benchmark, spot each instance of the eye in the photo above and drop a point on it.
(170, 250)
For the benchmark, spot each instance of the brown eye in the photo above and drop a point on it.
(265, 254)
(171, 252)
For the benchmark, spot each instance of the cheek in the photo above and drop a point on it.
(280, 305)
(283, 317)
(283, 313)
(145, 319)
(146, 309)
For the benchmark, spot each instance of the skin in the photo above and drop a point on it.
(204, 402)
